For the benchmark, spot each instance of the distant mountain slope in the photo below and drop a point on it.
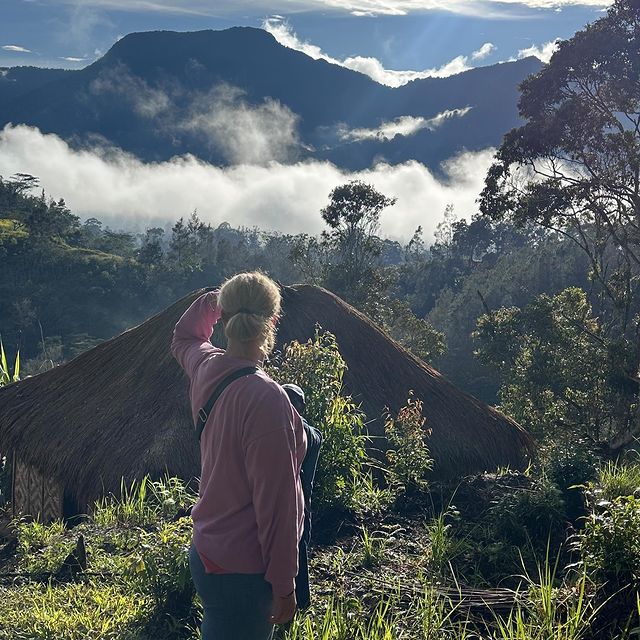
(16, 81)
(158, 94)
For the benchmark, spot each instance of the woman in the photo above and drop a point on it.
(250, 513)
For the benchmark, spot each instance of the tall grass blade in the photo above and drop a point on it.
(4, 374)
(16, 367)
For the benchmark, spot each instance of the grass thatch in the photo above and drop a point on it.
(122, 410)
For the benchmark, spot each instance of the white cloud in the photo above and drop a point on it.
(222, 118)
(72, 59)
(486, 49)
(80, 28)
(15, 48)
(147, 101)
(245, 134)
(281, 30)
(122, 190)
(393, 78)
(404, 126)
(543, 52)
(482, 8)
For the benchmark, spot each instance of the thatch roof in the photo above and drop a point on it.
(121, 409)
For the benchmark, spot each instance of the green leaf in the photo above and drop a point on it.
(16, 367)
(4, 368)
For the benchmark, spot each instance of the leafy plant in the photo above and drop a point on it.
(529, 515)
(41, 547)
(610, 542)
(409, 456)
(551, 613)
(318, 368)
(132, 507)
(555, 371)
(367, 497)
(441, 542)
(6, 375)
(374, 545)
(160, 566)
(144, 502)
(570, 468)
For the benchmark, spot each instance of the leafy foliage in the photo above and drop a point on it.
(555, 369)
(409, 456)
(572, 169)
(160, 568)
(533, 515)
(143, 503)
(609, 544)
(318, 368)
(353, 216)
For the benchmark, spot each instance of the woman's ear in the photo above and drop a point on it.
(274, 320)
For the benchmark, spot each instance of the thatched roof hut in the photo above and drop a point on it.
(121, 409)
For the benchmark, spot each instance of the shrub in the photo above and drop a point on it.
(570, 469)
(409, 457)
(569, 466)
(534, 514)
(132, 507)
(611, 541)
(160, 566)
(318, 368)
(368, 499)
(610, 552)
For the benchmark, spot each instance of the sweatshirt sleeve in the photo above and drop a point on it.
(190, 344)
(272, 470)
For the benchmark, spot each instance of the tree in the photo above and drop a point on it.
(574, 166)
(353, 216)
(352, 264)
(555, 378)
(151, 252)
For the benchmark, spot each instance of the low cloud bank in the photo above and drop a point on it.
(127, 193)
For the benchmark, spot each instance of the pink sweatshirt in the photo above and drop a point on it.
(250, 512)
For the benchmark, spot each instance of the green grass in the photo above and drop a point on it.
(42, 548)
(90, 611)
(617, 480)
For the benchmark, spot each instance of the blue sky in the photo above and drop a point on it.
(401, 34)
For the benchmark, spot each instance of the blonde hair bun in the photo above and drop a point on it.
(249, 301)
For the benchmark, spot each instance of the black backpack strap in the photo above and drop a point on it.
(205, 412)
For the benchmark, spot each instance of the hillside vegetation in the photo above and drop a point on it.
(506, 555)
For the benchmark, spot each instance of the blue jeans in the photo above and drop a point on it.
(236, 605)
(307, 476)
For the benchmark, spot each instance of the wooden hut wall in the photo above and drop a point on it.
(34, 495)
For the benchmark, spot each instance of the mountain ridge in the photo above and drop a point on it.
(180, 72)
